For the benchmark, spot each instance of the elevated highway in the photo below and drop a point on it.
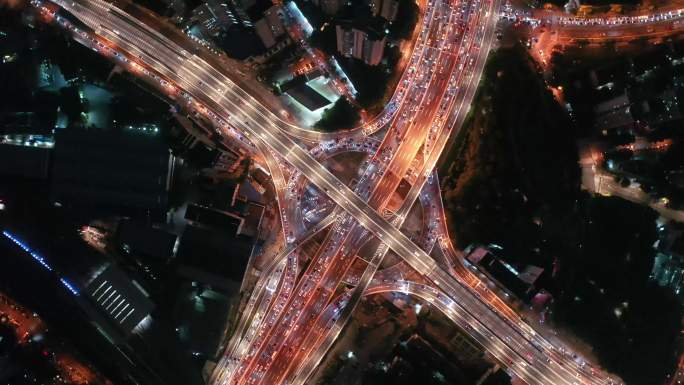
(201, 87)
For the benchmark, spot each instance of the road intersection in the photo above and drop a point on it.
(290, 324)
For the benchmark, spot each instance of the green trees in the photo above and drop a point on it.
(606, 297)
(512, 178)
(340, 116)
(515, 165)
(407, 16)
(71, 104)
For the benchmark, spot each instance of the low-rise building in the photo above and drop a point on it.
(614, 113)
(509, 278)
(120, 300)
(300, 91)
(270, 28)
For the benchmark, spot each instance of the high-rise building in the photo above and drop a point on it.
(373, 50)
(345, 40)
(214, 16)
(361, 44)
(387, 9)
(329, 7)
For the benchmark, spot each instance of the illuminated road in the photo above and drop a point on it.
(305, 341)
(558, 29)
(200, 87)
(431, 132)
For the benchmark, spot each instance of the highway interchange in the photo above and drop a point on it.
(289, 324)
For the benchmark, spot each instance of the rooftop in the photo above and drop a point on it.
(110, 169)
(213, 256)
(145, 241)
(123, 302)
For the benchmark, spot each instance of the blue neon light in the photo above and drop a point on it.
(69, 286)
(39, 259)
(304, 22)
(27, 249)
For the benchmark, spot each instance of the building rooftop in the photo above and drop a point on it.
(24, 161)
(121, 300)
(221, 196)
(520, 284)
(209, 217)
(270, 27)
(308, 97)
(202, 320)
(253, 214)
(213, 256)
(111, 170)
(247, 192)
(213, 16)
(615, 103)
(145, 241)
